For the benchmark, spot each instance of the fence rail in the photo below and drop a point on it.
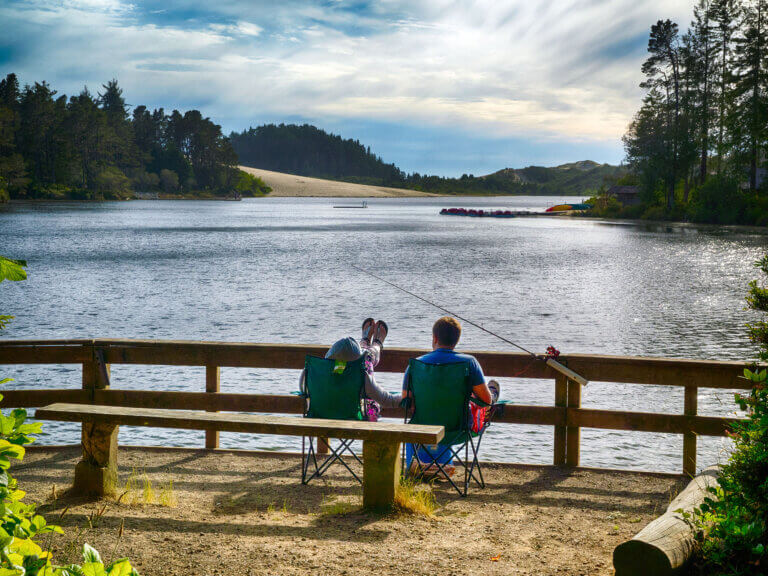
(566, 415)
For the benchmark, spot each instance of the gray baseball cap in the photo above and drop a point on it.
(347, 349)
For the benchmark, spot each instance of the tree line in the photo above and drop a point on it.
(89, 146)
(699, 141)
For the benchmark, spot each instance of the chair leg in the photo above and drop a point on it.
(334, 456)
(467, 471)
(440, 467)
(476, 463)
(310, 454)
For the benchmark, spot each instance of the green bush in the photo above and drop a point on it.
(732, 530)
(718, 201)
(605, 206)
(169, 180)
(249, 185)
(654, 212)
(112, 184)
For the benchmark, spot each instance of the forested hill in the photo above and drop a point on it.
(88, 146)
(310, 151)
(568, 179)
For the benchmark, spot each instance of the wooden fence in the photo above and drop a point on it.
(566, 415)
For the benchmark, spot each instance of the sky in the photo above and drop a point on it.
(434, 86)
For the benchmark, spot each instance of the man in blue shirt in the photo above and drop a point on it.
(445, 336)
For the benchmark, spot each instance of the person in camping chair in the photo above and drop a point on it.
(371, 345)
(445, 336)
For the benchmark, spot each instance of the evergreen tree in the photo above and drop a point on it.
(662, 71)
(724, 14)
(750, 89)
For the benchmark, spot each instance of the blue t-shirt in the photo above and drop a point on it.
(448, 356)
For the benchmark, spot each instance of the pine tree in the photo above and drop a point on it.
(662, 70)
(750, 91)
(703, 33)
(725, 14)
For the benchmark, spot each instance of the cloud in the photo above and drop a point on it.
(564, 70)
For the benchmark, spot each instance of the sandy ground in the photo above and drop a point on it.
(249, 514)
(292, 185)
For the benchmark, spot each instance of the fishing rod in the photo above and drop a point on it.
(551, 362)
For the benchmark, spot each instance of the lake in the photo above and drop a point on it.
(279, 270)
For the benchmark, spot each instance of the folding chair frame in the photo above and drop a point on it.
(309, 453)
(310, 456)
(464, 440)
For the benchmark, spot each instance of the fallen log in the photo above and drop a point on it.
(664, 546)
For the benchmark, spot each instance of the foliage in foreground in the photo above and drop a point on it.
(732, 526)
(20, 526)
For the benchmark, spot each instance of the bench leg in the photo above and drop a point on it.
(381, 474)
(96, 473)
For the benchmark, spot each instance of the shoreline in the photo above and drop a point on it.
(286, 185)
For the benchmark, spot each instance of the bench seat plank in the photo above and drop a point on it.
(248, 423)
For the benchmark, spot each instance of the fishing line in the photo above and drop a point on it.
(549, 360)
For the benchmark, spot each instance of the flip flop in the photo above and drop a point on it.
(381, 324)
(369, 327)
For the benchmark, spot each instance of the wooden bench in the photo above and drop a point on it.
(96, 473)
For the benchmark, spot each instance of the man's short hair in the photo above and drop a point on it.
(447, 330)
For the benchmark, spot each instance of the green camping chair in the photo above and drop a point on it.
(334, 390)
(440, 395)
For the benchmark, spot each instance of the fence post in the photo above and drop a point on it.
(689, 438)
(573, 434)
(212, 385)
(96, 473)
(561, 401)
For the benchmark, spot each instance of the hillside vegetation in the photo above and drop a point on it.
(309, 151)
(88, 146)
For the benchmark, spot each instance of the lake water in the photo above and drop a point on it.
(278, 270)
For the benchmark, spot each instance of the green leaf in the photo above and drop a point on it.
(10, 450)
(7, 424)
(93, 568)
(38, 522)
(32, 428)
(758, 550)
(90, 554)
(120, 567)
(19, 415)
(12, 269)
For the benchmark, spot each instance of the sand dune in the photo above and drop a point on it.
(292, 185)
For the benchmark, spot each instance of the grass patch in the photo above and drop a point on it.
(148, 494)
(138, 490)
(415, 498)
(336, 507)
(167, 497)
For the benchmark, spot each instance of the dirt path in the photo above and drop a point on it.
(292, 185)
(246, 514)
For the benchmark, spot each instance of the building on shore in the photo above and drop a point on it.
(627, 195)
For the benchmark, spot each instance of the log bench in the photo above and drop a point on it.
(96, 473)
